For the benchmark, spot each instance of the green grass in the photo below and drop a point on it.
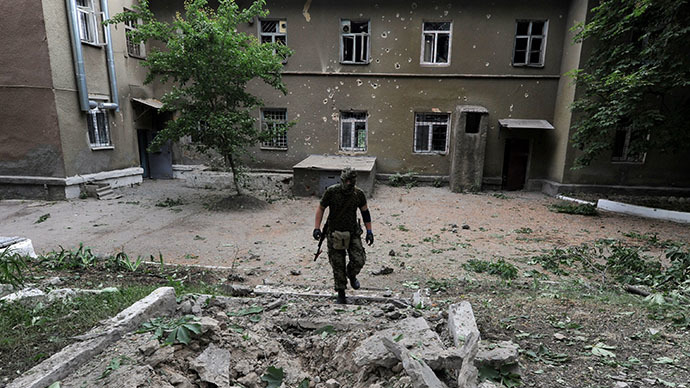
(31, 334)
(500, 268)
(574, 208)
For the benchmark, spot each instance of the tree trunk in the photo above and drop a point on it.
(229, 160)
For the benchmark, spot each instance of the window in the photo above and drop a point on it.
(274, 121)
(135, 49)
(472, 122)
(622, 147)
(431, 132)
(89, 31)
(353, 131)
(354, 42)
(273, 31)
(530, 43)
(436, 43)
(99, 132)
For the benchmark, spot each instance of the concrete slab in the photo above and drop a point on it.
(315, 173)
(16, 244)
(60, 365)
(461, 322)
(642, 211)
(421, 374)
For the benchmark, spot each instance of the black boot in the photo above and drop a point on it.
(354, 283)
(341, 297)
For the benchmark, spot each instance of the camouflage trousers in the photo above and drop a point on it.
(341, 270)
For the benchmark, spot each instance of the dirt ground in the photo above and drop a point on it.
(420, 235)
(419, 231)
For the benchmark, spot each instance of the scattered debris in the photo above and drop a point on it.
(383, 271)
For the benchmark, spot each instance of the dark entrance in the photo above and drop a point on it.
(158, 164)
(515, 162)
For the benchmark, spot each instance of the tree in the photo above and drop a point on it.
(208, 63)
(636, 77)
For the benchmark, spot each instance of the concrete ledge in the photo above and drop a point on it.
(580, 201)
(20, 245)
(641, 211)
(553, 188)
(60, 365)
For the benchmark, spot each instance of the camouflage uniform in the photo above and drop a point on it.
(342, 217)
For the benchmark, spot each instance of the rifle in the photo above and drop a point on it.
(323, 237)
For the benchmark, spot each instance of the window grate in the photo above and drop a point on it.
(274, 121)
(431, 132)
(98, 128)
(135, 49)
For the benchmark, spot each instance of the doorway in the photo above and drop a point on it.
(515, 160)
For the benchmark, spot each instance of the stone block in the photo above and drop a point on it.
(461, 322)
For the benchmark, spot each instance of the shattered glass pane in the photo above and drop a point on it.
(421, 141)
(428, 47)
(269, 26)
(442, 48)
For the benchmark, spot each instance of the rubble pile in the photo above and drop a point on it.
(297, 341)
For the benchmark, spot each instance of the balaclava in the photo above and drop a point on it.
(348, 174)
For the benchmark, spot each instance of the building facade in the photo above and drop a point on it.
(470, 92)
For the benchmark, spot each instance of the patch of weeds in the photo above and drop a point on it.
(178, 330)
(500, 268)
(42, 218)
(407, 179)
(122, 260)
(433, 239)
(500, 196)
(553, 260)
(273, 377)
(523, 230)
(200, 238)
(439, 285)
(403, 228)
(583, 209)
(169, 202)
(82, 258)
(437, 182)
(504, 375)
(412, 285)
(651, 239)
(325, 331)
(12, 267)
(545, 355)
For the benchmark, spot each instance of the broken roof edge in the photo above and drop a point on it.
(152, 102)
(525, 124)
(337, 162)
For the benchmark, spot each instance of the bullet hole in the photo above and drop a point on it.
(378, 61)
(380, 121)
(526, 95)
(397, 65)
(445, 13)
(342, 83)
(413, 6)
(397, 15)
(384, 35)
(488, 16)
(374, 85)
(486, 64)
(335, 116)
(373, 96)
(397, 86)
(474, 46)
(359, 82)
(511, 107)
(325, 120)
(409, 60)
(325, 101)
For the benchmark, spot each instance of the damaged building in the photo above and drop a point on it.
(472, 93)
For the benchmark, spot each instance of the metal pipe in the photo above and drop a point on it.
(109, 56)
(77, 55)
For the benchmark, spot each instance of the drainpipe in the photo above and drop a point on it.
(111, 63)
(77, 55)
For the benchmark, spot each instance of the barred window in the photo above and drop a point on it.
(431, 132)
(353, 131)
(273, 31)
(134, 49)
(274, 121)
(99, 131)
(530, 43)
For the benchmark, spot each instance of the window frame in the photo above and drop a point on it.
(128, 40)
(272, 35)
(530, 37)
(87, 21)
(627, 157)
(430, 150)
(275, 142)
(354, 36)
(94, 137)
(436, 33)
(353, 131)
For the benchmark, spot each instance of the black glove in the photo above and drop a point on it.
(317, 234)
(370, 237)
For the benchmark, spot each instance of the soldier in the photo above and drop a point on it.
(343, 231)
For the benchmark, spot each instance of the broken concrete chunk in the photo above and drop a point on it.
(213, 366)
(461, 322)
(497, 354)
(467, 378)
(332, 383)
(409, 332)
(421, 374)
(26, 296)
(208, 324)
(175, 378)
(160, 355)
(149, 347)
(487, 384)
(420, 300)
(251, 380)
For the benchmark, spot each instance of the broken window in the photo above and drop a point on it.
(353, 131)
(273, 31)
(99, 131)
(530, 43)
(431, 132)
(274, 121)
(134, 49)
(436, 43)
(354, 42)
(623, 144)
(89, 23)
